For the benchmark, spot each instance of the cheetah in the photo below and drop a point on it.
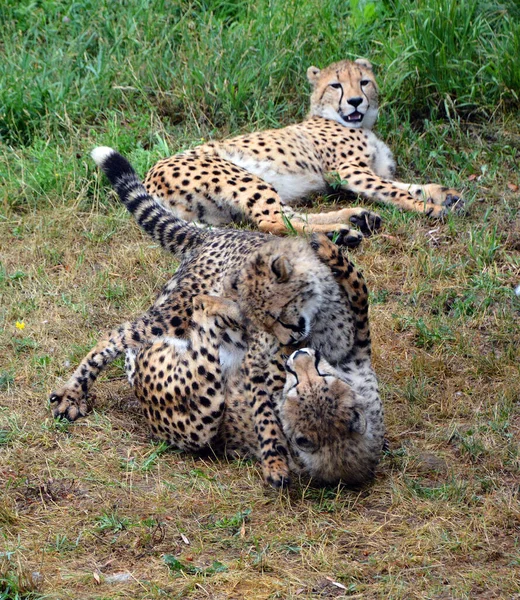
(258, 177)
(329, 428)
(290, 293)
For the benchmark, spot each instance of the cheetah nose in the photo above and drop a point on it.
(355, 101)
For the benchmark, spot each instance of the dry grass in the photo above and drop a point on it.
(95, 510)
(90, 510)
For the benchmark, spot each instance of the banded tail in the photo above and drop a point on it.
(173, 234)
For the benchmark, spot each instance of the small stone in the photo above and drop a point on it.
(118, 577)
(428, 463)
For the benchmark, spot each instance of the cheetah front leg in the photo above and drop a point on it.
(352, 282)
(71, 398)
(435, 194)
(265, 377)
(431, 200)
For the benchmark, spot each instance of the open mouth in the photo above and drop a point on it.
(297, 338)
(355, 117)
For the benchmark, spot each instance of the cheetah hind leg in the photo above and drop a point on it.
(182, 389)
(231, 194)
(366, 221)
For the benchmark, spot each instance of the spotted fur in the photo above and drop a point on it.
(258, 177)
(278, 293)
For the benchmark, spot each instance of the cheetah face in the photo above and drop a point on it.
(278, 298)
(322, 418)
(345, 92)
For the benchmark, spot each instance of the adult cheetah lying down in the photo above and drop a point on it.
(286, 293)
(258, 177)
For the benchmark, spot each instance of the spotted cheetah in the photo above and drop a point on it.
(330, 430)
(259, 176)
(288, 291)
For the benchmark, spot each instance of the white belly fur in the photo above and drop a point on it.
(383, 162)
(291, 187)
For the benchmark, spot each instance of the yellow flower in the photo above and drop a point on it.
(20, 325)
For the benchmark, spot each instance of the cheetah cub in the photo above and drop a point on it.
(258, 177)
(290, 293)
(329, 429)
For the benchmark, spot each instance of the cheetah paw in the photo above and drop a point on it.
(69, 407)
(278, 481)
(455, 203)
(435, 211)
(323, 246)
(367, 222)
(350, 238)
(276, 473)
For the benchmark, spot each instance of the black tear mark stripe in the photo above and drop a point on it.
(296, 328)
(362, 88)
(292, 372)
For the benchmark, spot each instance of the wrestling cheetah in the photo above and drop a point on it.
(289, 293)
(258, 177)
(331, 431)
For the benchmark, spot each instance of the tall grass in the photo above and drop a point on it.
(69, 67)
(454, 57)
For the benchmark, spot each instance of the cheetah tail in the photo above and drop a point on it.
(173, 234)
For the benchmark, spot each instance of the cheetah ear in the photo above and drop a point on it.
(358, 423)
(312, 75)
(282, 268)
(364, 63)
(230, 287)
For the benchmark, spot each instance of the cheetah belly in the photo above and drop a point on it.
(291, 186)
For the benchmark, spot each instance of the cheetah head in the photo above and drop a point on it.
(281, 288)
(325, 422)
(345, 92)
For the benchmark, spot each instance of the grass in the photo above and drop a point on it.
(96, 510)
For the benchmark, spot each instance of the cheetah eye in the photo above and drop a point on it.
(304, 444)
(364, 82)
(336, 86)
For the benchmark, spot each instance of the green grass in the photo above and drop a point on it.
(93, 509)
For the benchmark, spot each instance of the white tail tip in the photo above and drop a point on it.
(101, 153)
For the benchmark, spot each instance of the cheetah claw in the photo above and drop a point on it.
(279, 481)
(68, 407)
(276, 470)
(455, 203)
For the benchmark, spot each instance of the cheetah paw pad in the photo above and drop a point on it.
(69, 407)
